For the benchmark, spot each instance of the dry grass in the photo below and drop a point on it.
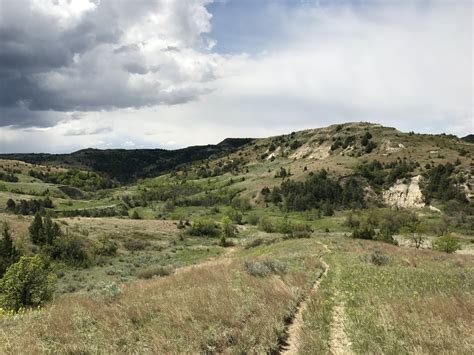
(215, 308)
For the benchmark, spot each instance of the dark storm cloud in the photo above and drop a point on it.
(84, 55)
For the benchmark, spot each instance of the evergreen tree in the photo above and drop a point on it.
(51, 230)
(11, 205)
(8, 253)
(36, 230)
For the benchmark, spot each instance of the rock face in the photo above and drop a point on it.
(405, 195)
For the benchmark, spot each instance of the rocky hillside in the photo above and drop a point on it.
(396, 167)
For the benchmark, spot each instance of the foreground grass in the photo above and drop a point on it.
(420, 302)
(217, 307)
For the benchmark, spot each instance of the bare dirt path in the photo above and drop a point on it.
(296, 324)
(294, 328)
(340, 343)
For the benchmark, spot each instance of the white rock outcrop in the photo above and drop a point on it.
(405, 195)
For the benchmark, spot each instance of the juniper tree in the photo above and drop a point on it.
(8, 253)
(36, 230)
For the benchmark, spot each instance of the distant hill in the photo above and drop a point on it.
(469, 138)
(128, 165)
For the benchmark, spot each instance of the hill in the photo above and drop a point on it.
(348, 238)
(469, 138)
(128, 165)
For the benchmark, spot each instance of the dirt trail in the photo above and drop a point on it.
(294, 329)
(296, 324)
(340, 342)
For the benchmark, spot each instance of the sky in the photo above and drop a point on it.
(167, 74)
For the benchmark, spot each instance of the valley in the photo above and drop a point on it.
(353, 238)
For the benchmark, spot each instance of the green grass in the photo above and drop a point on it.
(420, 302)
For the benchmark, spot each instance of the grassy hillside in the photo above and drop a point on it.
(352, 238)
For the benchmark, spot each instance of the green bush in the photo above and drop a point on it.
(27, 283)
(293, 230)
(266, 224)
(71, 249)
(203, 227)
(235, 215)
(447, 244)
(366, 232)
(241, 203)
(253, 218)
(105, 246)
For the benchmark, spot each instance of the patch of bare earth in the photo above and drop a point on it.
(294, 329)
(340, 342)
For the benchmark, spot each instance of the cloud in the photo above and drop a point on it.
(87, 131)
(406, 65)
(84, 55)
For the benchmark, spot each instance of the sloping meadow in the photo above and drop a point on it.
(219, 306)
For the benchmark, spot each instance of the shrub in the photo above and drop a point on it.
(135, 244)
(366, 232)
(379, 259)
(27, 283)
(264, 268)
(234, 215)
(293, 230)
(169, 207)
(253, 218)
(105, 246)
(385, 235)
(71, 249)
(150, 272)
(350, 221)
(106, 290)
(266, 224)
(135, 215)
(241, 203)
(447, 244)
(228, 230)
(203, 227)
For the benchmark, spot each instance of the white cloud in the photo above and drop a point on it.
(408, 66)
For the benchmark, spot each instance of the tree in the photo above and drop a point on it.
(11, 205)
(51, 230)
(27, 283)
(447, 244)
(228, 229)
(8, 253)
(416, 231)
(36, 230)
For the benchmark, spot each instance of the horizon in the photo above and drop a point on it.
(222, 140)
(167, 75)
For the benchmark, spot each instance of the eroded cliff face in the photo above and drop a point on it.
(405, 195)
